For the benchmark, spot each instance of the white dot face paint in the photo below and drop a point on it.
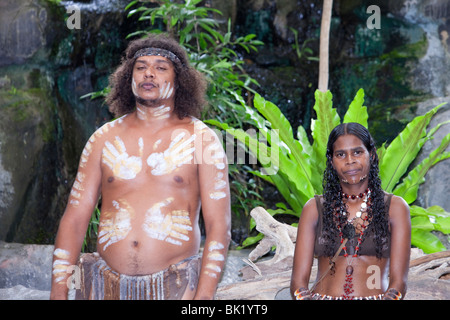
(172, 227)
(60, 265)
(115, 225)
(180, 152)
(123, 166)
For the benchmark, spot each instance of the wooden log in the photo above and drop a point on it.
(261, 288)
(276, 234)
(429, 257)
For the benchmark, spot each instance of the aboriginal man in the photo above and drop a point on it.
(154, 167)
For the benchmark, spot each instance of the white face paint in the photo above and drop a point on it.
(117, 159)
(180, 152)
(115, 225)
(171, 227)
(60, 265)
(166, 91)
(134, 87)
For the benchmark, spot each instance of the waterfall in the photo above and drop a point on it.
(97, 6)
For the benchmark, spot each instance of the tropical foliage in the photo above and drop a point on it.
(300, 164)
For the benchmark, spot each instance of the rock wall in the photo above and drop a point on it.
(45, 67)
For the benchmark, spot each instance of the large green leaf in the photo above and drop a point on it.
(426, 241)
(431, 218)
(287, 176)
(327, 120)
(279, 122)
(356, 111)
(403, 150)
(410, 185)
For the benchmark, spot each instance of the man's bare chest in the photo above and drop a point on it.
(130, 157)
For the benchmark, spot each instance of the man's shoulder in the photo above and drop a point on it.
(110, 125)
(194, 125)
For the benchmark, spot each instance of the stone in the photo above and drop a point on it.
(22, 30)
(28, 154)
(20, 292)
(24, 265)
(434, 191)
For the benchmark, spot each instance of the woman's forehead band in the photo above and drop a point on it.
(157, 52)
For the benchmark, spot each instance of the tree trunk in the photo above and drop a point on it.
(324, 45)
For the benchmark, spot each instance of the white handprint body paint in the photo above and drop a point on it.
(180, 152)
(117, 159)
(78, 192)
(172, 227)
(60, 265)
(115, 225)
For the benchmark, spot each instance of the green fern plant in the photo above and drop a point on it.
(300, 164)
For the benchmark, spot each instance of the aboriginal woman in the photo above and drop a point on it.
(360, 235)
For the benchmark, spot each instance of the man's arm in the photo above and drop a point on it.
(216, 210)
(72, 229)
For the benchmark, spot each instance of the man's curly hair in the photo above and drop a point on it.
(190, 85)
(332, 190)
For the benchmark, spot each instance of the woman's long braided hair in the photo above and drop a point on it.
(332, 191)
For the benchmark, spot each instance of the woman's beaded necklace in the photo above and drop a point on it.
(348, 231)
